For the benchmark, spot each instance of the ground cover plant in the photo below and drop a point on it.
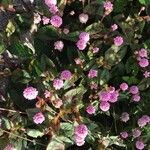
(74, 75)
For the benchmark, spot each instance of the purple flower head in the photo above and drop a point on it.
(143, 62)
(104, 106)
(45, 20)
(139, 145)
(142, 53)
(136, 98)
(136, 132)
(123, 86)
(10, 147)
(38, 118)
(50, 2)
(83, 18)
(59, 45)
(92, 73)
(58, 84)
(56, 21)
(108, 6)
(124, 117)
(104, 96)
(95, 50)
(47, 94)
(134, 89)
(124, 135)
(66, 75)
(114, 27)
(30, 93)
(143, 121)
(114, 97)
(53, 9)
(84, 36)
(57, 103)
(118, 41)
(79, 140)
(146, 74)
(81, 130)
(81, 44)
(90, 109)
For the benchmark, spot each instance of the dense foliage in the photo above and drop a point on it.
(74, 74)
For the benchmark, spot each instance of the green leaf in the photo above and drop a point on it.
(2, 46)
(144, 84)
(34, 133)
(73, 36)
(120, 5)
(103, 76)
(144, 2)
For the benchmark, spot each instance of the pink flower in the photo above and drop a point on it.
(123, 86)
(80, 143)
(58, 84)
(95, 50)
(104, 96)
(30, 93)
(139, 145)
(118, 41)
(146, 74)
(56, 21)
(143, 62)
(59, 45)
(114, 27)
(90, 109)
(136, 98)
(53, 9)
(37, 18)
(81, 45)
(114, 97)
(45, 20)
(84, 36)
(92, 73)
(49, 2)
(134, 89)
(81, 130)
(38, 118)
(83, 18)
(125, 117)
(104, 106)
(108, 6)
(66, 30)
(58, 103)
(47, 94)
(124, 135)
(78, 61)
(9, 147)
(143, 121)
(66, 75)
(136, 132)
(142, 53)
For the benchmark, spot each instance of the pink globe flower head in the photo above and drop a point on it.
(81, 130)
(53, 9)
(59, 45)
(104, 106)
(146, 74)
(58, 84)
(66, 31)
(114, 27)
(79, 140)
(37, 18)
(84, 36)
(108, 6)
(47, 94)
(66, 75)
(134, 89)
(118, 40)
(142, 53)
(124, 117)
(56, 21)
(81, 44)
(136, 98)
(95, 50)
(10, 147)
(30, 93)
(92, 73)
(57, 103)
(45, 20)
(49, 2)
(124, 135)
(90, 109)
(139, 145)
(136, 132)
(143, 62)
(143, 121)
(114, 97)
(146, 118)
(83, 18)
(38, 118)
(123, 86)
(104, 96)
